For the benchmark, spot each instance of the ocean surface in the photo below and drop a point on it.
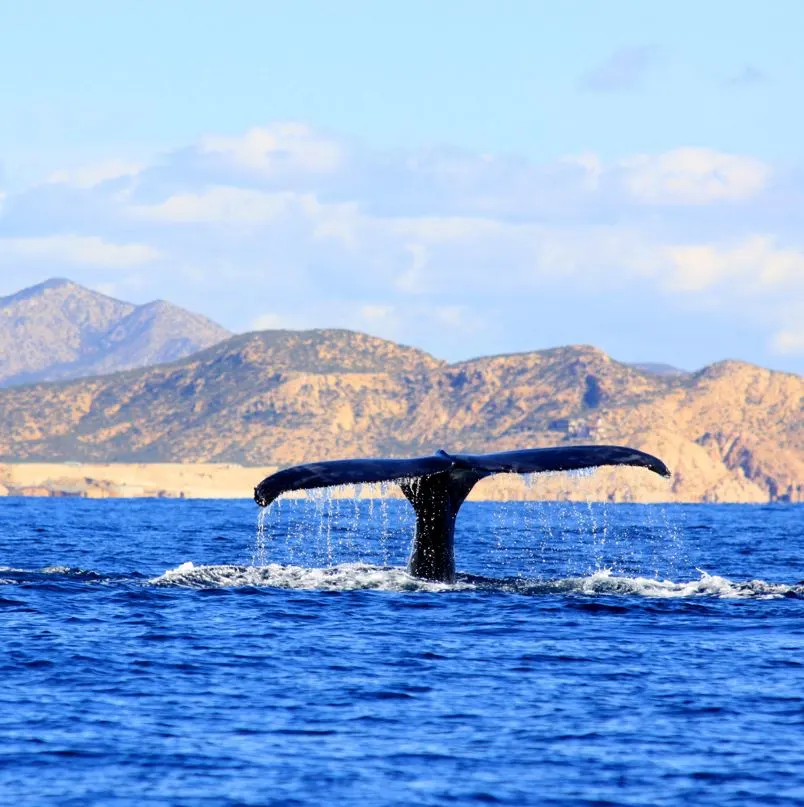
(169, 653)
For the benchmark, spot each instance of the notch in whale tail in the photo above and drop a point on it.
(438, 485)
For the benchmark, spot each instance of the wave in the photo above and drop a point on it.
(12, 575)
(360, 576)
(367, 577)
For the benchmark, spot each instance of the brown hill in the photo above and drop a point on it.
(731, 432)
(58, 330)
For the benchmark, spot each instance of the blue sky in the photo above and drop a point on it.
(469, 177)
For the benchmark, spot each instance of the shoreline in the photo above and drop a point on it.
(232, 481)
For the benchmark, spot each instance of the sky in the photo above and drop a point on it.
(468, 177)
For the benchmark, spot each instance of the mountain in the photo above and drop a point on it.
(730, 432)
(60, 330)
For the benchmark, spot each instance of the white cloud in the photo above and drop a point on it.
(277, 148)
(753, 265)
(245, 207)
(219, 205)
(408, 242)
(696, 267)
(270, 322)
(693, 176)
(789, 341)
(443, 229)
(88, 176)
(75, 249)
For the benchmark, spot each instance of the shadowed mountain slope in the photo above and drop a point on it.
(730, 432)
(58, 330)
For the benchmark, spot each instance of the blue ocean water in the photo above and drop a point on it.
(161, 653)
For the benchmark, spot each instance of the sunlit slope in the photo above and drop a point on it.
(731, 432)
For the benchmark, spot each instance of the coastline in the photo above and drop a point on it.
(232, 481)
(130, 480)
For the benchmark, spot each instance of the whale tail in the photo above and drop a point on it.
(438, 485)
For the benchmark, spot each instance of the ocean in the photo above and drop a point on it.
(162, 652)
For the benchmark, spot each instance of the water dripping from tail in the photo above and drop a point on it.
(258, 556)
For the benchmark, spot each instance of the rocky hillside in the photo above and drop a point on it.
(60, 330)
(731, 432)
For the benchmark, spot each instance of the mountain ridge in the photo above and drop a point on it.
(59, 329)
(730, 432)
(45, 285)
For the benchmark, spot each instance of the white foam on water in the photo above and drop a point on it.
(604, 582)
(362, 576)
(343, 577)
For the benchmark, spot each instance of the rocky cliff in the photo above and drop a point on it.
(731, 432)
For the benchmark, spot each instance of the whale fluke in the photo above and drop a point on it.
(345, 472)
(438, 485)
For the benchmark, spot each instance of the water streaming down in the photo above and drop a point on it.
(323, 526)
(258, 556)
(364, 526)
